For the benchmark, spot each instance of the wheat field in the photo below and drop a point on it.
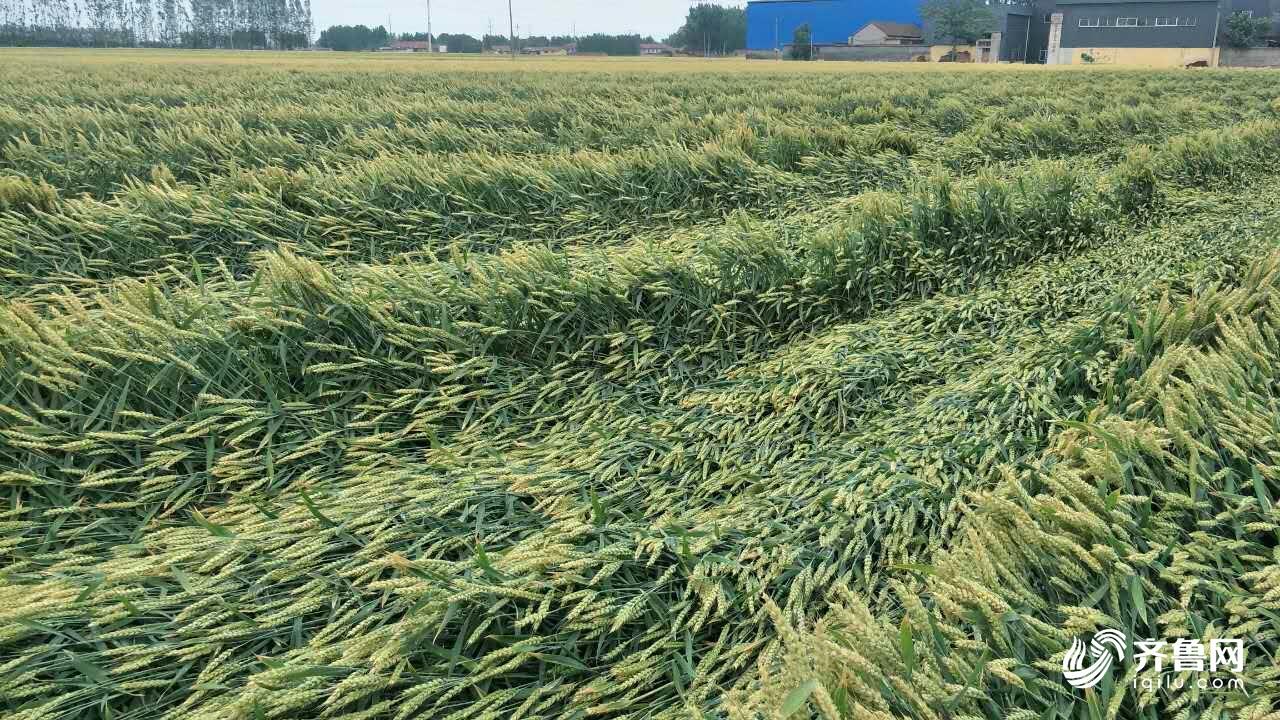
(389, 387)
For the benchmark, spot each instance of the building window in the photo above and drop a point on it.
(1090, 22)
(1176, 22)
(1127, 22)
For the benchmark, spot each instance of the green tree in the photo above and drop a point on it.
(610, 44)
(460, 43)
(280, 24)
(1242, 30)
(957, 22)
(354, 37)
(712, 29)
(802, 43)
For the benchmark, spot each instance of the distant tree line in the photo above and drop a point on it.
(243, 24)
(287, 24)
(457, 43)
(712, 30)
(353, 37)
(360, 37)
(708, 29)
(489, 42)
(543, 41)
(610, 44)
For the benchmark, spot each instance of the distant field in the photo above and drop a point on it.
(385, 386)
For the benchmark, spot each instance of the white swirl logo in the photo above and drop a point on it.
(1107, 647)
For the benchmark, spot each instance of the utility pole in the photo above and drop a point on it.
(430, 39)
(511, 25)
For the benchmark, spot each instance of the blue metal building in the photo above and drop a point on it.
(772, 23)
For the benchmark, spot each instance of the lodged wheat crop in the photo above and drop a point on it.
(396, 388)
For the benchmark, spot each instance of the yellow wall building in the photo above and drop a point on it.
(1140, 57)
(1167, 33)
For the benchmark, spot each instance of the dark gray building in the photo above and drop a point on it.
(1041, 22)
(1014, 22)
(1015, 34)
(1146, 32)
(1150, 32)
(1139, 23)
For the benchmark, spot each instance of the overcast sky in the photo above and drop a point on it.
(658, 18)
